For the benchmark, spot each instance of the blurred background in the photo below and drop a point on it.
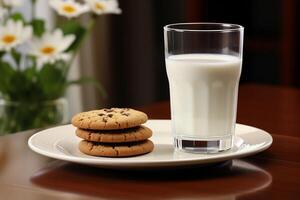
(126, 52)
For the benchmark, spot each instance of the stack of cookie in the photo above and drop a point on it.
(115, 132)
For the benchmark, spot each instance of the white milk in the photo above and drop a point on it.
(203, 89)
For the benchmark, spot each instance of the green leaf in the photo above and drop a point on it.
(89, 80)
(16, 55)
(31, 73)
(73, 27)
(2, 53)
(19, 86)
(6, 72)
(52, 80)
(38, 26)
(24, 86)
(31, 84)
(17, 17)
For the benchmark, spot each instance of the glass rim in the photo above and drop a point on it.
(224, 27)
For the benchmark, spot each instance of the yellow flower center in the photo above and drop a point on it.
(48, 50)
(8, 39)
(99, 6)
(69, 8)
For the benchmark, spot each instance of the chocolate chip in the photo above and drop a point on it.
(126, 114)
(110, 115)
(104, 120)
(108, 110)
(101, 114)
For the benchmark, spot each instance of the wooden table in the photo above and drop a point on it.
(273, 174)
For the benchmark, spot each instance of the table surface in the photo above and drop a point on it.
(273, 174)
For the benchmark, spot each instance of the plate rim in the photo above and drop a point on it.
(148, 163)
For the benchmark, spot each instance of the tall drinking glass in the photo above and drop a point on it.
(203, 62)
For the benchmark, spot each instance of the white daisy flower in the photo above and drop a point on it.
(51, 46)
(104, 6)
(12, 3)
(14, 33)
(68, 8)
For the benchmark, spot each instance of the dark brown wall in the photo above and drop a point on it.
(135, 53)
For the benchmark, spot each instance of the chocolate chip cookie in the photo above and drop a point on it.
(109, 119)
(116, 150)
(138, 133)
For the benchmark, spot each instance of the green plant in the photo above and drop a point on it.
(35, 62)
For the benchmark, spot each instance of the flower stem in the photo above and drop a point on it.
(17, 58)
(89, 28)
(33, 5)
(9, 12)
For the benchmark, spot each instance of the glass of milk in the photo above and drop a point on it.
(203, 62)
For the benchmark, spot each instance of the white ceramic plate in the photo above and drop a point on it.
(62, 143)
